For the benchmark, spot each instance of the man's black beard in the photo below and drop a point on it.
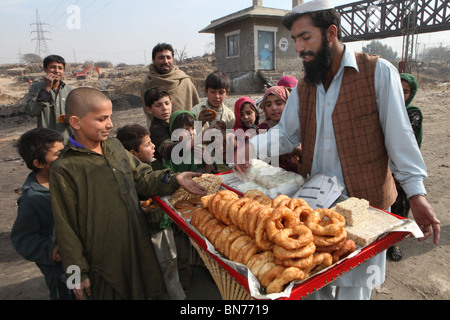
(162, 71)
(316, 70)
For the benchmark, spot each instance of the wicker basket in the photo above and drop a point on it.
(229, 288)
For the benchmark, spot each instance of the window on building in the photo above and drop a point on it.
(232, 39)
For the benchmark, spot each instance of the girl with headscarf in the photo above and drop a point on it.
(273, 103)
(288, 81)
(181, 119)
(246, 114)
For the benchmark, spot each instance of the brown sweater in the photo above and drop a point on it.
(359, 136)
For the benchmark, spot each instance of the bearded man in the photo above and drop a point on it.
(163, 73)
(349, 114)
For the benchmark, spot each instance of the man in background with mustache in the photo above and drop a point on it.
(163, 73)
(348, 112)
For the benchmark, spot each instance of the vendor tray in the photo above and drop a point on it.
(240, 289)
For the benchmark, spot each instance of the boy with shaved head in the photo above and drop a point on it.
(96, 187)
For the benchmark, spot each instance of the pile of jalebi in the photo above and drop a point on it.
(279, 241)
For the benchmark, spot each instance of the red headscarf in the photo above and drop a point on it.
(288, 81)
(237, 112)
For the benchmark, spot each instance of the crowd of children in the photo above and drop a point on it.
(97, 216)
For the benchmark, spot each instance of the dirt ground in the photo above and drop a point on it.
(422, 274)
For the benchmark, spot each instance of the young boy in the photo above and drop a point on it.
(136, 139)
(96, 187)
(217, 88)
(33, 234)
(46, 100)
(158, 104)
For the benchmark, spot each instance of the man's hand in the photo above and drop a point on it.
(83, 287)
(425, 218)
(185, 180)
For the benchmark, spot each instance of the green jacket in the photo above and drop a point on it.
(47, 108)
(99, 222)
(181, 167)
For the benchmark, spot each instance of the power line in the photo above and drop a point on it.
(90, 17)
(60, 3)
(53, 23)
(101, 9)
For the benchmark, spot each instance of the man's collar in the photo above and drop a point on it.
(60, 86)
(349, 59)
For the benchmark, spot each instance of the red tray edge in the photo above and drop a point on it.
(310, 285)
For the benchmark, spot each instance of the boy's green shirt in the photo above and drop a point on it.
(99, 223)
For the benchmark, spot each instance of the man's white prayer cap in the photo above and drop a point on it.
(314, 5)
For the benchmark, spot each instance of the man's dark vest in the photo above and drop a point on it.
(359, 136)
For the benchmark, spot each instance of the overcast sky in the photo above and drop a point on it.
(126, 31)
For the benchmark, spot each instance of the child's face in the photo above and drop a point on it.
(216, 97)
(248, 115)
(406, 89)
(56, 69)
(52, 154)
(274, 107)
(96, 125)
(188, 132)
(161, 109)
(146, 150)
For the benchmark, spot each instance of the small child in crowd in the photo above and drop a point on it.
(288, 81)
(184, 120)
(273, 104)
(217, 88)
(158, 104)
(246, 114)
(33, 232)
(196, 159)
(410, 88)
(136, 139)
(96, 190)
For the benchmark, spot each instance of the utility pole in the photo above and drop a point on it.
(20, 56)
(41, 41)
(409, 25)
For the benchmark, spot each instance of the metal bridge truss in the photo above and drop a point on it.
(378, 19)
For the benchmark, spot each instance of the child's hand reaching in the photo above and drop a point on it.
(185, 180)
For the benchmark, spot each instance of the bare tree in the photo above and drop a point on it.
(180, 56)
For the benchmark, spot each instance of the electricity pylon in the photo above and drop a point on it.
(41, 41)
